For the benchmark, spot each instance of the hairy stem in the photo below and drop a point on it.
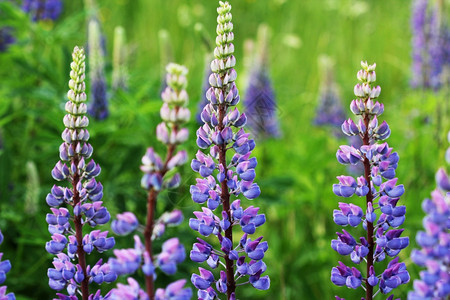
(151, 208)
(79, 233)
(225, 198)
(369, 198)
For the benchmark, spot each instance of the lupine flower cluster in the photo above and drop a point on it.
(223, 180)
(158, 175)
(98, 107)
(5, 267)
(6, 38)
(434, 254)
(330, 110)
(378, 186)
(260, 102)
(43, 9)
(79, 204)
(431, 45)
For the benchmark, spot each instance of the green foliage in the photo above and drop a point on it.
(295, 172)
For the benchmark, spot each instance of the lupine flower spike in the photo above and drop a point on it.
(378, 187)
(158, 175)
(260, 103)
(6, 38)
(79, 205)
(330, 110)
(434, 254)
(224, 181)
(5, 267)
(98, 106)
(43, 9)
(431, 45)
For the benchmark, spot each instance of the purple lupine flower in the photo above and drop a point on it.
(434, 254)
(98, 107)
(260, 101)
(260, 105)
(330, 110)
(43, 9)
(5, 267)
(430, 44)
(378, 186)
(82, 196)
(132, 291)
(224, 180)
(6, 38)
(158, 176)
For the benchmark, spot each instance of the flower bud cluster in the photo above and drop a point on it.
(5, 267)
(80, 203)
(43, 9)
(98, 107)
(223, 180)
(434, 254)
(156, 178)
(382, 214)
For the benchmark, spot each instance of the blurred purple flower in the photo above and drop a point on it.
(434, 255)
(260, 105)
(430, 45)
(43, 9)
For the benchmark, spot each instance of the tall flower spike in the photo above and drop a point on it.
(6, 38)
(223, 180)
(158, 175)
(378, 186)
(330, 110)
(43, 9)
(434, 254)
(98, 107)
(5, 267)
(430, 44)
(120, 53)
(260, 103)
(78, 205)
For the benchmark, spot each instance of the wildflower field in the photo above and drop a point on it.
(213, 126)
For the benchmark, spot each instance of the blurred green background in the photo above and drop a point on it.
(296, 171)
